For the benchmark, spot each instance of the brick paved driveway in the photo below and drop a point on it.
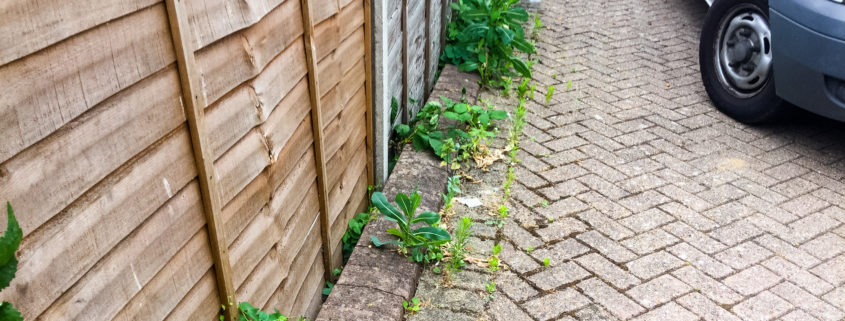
(659, 207)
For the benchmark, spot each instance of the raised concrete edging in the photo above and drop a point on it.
(375, 281)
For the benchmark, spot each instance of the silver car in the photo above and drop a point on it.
(760, 57)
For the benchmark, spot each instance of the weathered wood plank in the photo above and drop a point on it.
(312, 283)
(283, 298)
(329, 33)
(357, 203)
(172, 283)
(291, 155)
(331, 69)
(241, 164)
(243, 208)
(231, 117)
(338, 97)
(227, 64)
(113, 281)
(346, 123)
(212, 20)
(51, 21)
(46, 90)
(53, 258)
(79, 155)
(280, 265)
(342, 191)
(201, 303)
(370, 100)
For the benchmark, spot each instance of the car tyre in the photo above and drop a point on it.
(735, 61)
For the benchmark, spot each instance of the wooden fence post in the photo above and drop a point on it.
(195, 103)
(317, 128)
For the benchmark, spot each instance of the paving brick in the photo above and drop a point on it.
(797, 275)
(713, 289)
(735, 232)
(647, 220)
(689, 216)
(605, 225)
(564, 207)
(503, 309)
(594, 312)
(560, 251)
(807, 302)
(618, 304)
(606, 246)
(764, 306)
(668, 312)
(752, 280)
(703, 262)
(561, 228)
(706, 309)
(650, 241)
(608, 271)
(654, 264)
(552, 305)
(832, 271)
(836, 297)
(825, 246)
(514, 286)
(797, 315)
(658, 291)
(643, 201)
(554, 277)
(697, 239)
(786, 250)
(743, 255)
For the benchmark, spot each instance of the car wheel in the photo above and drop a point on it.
(735, 56)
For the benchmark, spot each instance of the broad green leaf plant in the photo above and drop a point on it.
(483, 37)
(455, 143)
(424, 242)
(9, 243)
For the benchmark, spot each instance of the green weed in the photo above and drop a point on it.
(9, 243)
(458, 246)
(412, 306)
(424, 242)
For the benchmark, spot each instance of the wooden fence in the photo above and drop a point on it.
(408, 38)
(164, 157)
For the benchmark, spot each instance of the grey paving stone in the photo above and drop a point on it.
(653, 264)
(743, 255)
(618, 304)
(658, 291)
(764, 306)
(807, 302)
(514, 286)
(607, 271)
(650, 241)
(606, 246)
(797, 275)
(554, 277)
(706, 309)
(668, 312)
(752, 280)
(552, 305)
(557, 253)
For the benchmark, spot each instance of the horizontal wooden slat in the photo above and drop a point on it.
(101, 293)
(292, 156)
(282, 124)
(284, 297)
(241, 164)
(329, 33)
(53, 258)
(231, 118)
(82, 153)
(172, 283)
(282, 263)
(340, 192)
(46, 90)
(347, 123)
(212, 20)
(313, 283)
(267, 229)
(28, 27)
(235, 59)
(332, 68)
(243, 208)
(357, 203)
(201, 303)
(337, 98)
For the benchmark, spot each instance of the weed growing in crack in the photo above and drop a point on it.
(550, 92)
(493, 260)
(458, 246)
(412, 306)
(546, 262)
(423, 242)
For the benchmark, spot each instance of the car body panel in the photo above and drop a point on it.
(809, 63)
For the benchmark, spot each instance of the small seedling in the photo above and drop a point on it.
(554, 76)
(494, 259)
(436, 270)
(458, 246)
(529, 250)
(412, 306)
(491, 287)
(546, 262)
(328, 289)
(551, 219)
(549, 93)
(569, 85)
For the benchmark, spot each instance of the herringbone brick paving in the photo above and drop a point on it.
(659, 207)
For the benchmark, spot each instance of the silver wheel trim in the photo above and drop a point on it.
(747, 77)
